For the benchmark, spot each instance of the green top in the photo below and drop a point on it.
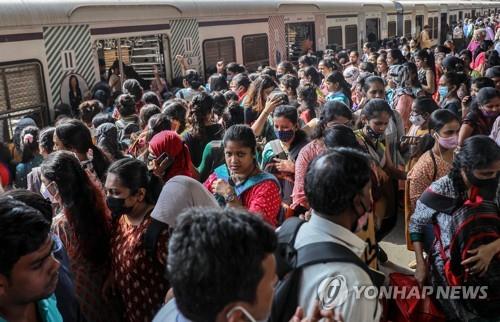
(47, 308)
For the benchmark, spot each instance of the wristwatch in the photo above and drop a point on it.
(230, 197)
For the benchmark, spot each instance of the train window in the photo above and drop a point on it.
(407, 29)
(22, 92)
(419, 24)
(391, 29)
(300, 39)
(335, 38)
(436, 27)
(255, 51)
(431, 24)
(351, 37)
(372, 29)
(215, 50)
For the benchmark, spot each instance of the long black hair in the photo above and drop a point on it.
(133, 174)
(84, 205)
(200, 108)
(29, 143)
(330, 111)
(75, 135)
(345, 87)
(478, 152)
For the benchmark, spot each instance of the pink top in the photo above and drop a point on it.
(306, 155)
(479, 61)
(263, 198)
(403, 106)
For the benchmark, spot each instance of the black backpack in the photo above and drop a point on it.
(291, 261)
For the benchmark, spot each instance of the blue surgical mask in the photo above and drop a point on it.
(443, 92)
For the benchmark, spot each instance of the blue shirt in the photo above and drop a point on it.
(338, 96)
(170, 313)
(47, 308)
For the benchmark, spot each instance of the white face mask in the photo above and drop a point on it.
(46, 193)
(247, 315)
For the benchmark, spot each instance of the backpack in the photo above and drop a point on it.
(291, 261)
(475, 223)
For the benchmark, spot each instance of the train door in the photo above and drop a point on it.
(443, 28)
(372, 29)
(300, 39)
(419, 24)
(460, 16)
(136, 57)
(400, 19)
(473, 13)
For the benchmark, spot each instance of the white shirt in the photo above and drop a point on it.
(316, 279)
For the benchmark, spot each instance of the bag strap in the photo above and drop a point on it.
(329, 252)
(288, 231)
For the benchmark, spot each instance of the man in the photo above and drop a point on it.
(425, 37)
(28, 270)
(338, 189)
(221, 267)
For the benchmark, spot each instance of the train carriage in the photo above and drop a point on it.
(42, 44)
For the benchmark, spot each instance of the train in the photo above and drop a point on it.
(46, 46)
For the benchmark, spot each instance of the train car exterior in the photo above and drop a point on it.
(43, 44)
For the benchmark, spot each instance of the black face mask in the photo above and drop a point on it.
(117, 206)
(487, 187)
(372, 134)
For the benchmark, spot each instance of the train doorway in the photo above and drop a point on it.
(300, 39)
(372, 29)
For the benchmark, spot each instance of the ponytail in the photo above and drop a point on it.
(99, 162)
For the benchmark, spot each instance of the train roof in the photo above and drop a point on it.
(51, 12)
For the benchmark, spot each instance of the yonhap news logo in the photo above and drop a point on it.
(415, 292)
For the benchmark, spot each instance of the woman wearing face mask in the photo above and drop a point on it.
(84, 227)
(421, 110)
(168, 156)
(279, 155)
(137, 275)
(426, 69)
(375, 118)
(334, 112)
(475, 172)
(477, 84)
(239, 182)
(482, 115)
(449, 84)
(435, 157)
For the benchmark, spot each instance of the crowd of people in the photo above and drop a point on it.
(141, 197)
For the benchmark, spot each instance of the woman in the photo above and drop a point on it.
(338, 88)
(307, 97)
(239, 182)
(137, 275)
(156, 124)
(74, 136)
(382, 66)
(168, 156)
(107, 141)
(84, 227)
(31, 156)
(326, 67)
(75, 94)
(481, 57)
(311, 76)
(475, 170)
(285, 68)
(192, 83)
(435, 158)
(288, 85)
(375, 118)
(421, 110)
(46, 147)
(201, 129)
(482, 115)
(449, 84)
(176, 110)
(279, 155)
(395, 57)
(426, 69)
(114, 80)
(407, 88)
(334, 112)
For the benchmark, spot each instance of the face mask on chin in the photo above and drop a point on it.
(247, 315)
(362, 219)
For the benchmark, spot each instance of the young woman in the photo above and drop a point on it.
(308, 102)
(482, 115)
(201, 128)
(407, 88)
(395, 57)
(326, 67)
(137, 274)
(84, 227)
(239, 182)
(338, 88)
(176, 110)
(156, 124)
(311, 76)
(107, 141)
(375, 118)
(31, 156)
(477, 84)
(192, 85)
(421, 110)
(284, 68)
(168, 156)
(382, 66)
(46, 147)
(75, 94)
(75, 137)
(481, 56)
(334, 112)
(289, 85)
(279, 155)
(449, 84)
(475, 172)
(426, 69)
(435, 158)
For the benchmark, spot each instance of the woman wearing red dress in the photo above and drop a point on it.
(137, 270)
(239, 182)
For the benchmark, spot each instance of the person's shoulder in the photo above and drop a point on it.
(169, 312)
